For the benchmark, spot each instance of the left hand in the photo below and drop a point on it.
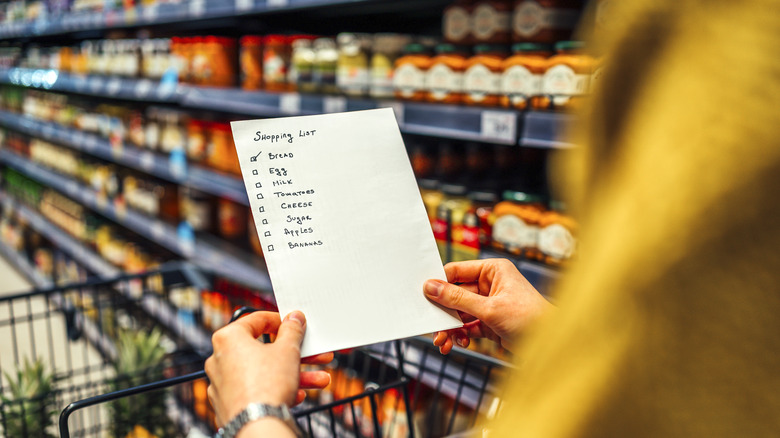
(243, 370)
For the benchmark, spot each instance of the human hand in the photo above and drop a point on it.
(493, 299)
(243, 370)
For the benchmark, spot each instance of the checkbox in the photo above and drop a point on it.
(258, 185)
(254, 172)
(270, 248)
(262, 210)
(265, 221)
(267, 234)
(259, 196)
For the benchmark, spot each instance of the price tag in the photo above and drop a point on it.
(150, 13)
(143, 88)
(147, 161)
(334, 104)
(499, 125)
(80, 83)
(113, 86)
(290, 103)
(276, 3)
(96, 85)
(197, 8)
(245, 5)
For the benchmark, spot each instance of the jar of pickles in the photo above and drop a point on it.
(385, 50)
(516, 226)
(444, 78)
(521, 79)
(566, 79)
(410, 72)
(482, 78)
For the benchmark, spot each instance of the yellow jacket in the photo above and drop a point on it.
(670, 323)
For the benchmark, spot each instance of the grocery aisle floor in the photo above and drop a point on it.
(10, 280)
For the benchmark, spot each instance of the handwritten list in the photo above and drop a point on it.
(344, 231)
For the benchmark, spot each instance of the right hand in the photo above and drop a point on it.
(493, 299)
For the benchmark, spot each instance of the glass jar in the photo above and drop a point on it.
(197, 141)
(410, 71)
(567, 76)
(557, 235)
(482, 78)
(251, 59)
(197, 209)
(544, 21)
(444, 78)
(276, 62)
(491, 21)
(301, 74)
(456, 22)
(352, 75)
(326, 57)
(222, 153)
(521, 79)
(516, 226)
(232, 220)
(385, 50)
(481, 213)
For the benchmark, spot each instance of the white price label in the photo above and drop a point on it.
(147, 161)
(143, 88)
(245, 5)
(290, 103)
(334, 104)
(113, 87)
(499, 125)
(197, 8)
(276, 3)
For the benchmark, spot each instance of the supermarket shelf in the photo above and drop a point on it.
(145, 90)
(545, 130)
(153, 163)
(211, 256)
(23, 266)
(158, 14)
(87, 258)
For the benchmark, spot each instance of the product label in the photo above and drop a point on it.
(439, 229)
(518, 83)
(489, 22)
(530, 18)
(440, 81)
(556, 241)
(354, 79)
(479, 82)
(274, 68)
(408, 79)
(457, 24)
(514, 233)
(562, 82)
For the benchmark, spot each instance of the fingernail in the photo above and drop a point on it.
(460, 342)
(297, 316)
(432, 288)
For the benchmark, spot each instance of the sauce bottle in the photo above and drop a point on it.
(444, 78)
(482, 78)
(521, 79)
(410, 71)
(491, 21)
(557, 235)
(456, 23)
(544, 21)
(516, 226)
(566, 79)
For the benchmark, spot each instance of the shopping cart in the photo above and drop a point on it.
(394, 389)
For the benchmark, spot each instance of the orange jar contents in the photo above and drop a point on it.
(544, 21)
(557, 236)
(521, 79)
(516, 225)
(410, 71)
(232, 220)
(566, 79)
(251, 60)
(277, 52)
(222, 153)
(491, 21)
(482, 78)
(444, 78)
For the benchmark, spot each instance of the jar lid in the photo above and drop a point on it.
(251, 39)
(569, 45)
(414, 48)
(528, 198)
(446, 48)
(482, 49)
(530, 47)
(454, 189)
(427, 183)
(483, 196)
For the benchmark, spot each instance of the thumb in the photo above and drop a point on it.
(455, 297)
(292, 329)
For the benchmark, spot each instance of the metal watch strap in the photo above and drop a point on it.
(256, 411)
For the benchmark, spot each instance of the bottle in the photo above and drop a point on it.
(482, 78)
(352, 74)
(326, 58)
(516, 226)
(301, 74)
(491, 21)
(557, 235)
(521, 79)
(276, 62)
(410, 71)
(544, 21)
(386, 49)
(251, 62)
(567, 76)
(444, 78)
(457, 23)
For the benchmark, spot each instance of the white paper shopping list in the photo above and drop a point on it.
(344, 231)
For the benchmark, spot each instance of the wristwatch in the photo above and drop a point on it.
(256, 411)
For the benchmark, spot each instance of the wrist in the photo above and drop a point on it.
(256, 412)
(267, 426)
